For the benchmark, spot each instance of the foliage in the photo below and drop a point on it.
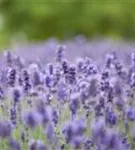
(39, 20)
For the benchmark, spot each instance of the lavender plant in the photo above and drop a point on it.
(62, 105)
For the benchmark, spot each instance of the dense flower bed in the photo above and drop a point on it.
(79, 103)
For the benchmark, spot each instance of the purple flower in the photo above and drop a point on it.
(49, 81)
(49, 132)
(41, 145)
(62, 92)
(26, 81)
(8, 58)
(5, 129)
(111, 118)
(120, 103)
(55, 116)
(36, 78)
(68, 132)
(109, 60)
(50, 68)
(131, 114)
(88, 145)
(72, 75)
(97, 128)
(74, 103)
(36, 145)
(114, 141)
(74, 129)
(32, 119)
(65, 67)
(45, 112)
(14, 145)
(11, 77)
(13, 115)
(93, 88)
(2, 95)
(16, 95)
(105, 74)
(77, 142)
(33, 145)
(60, 52)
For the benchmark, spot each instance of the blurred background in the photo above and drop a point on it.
(37, 20)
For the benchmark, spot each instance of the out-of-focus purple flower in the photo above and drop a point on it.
(13, 115)
(8, 58)
(79, 64)
(109, 60)
(93, 87)
(110, 94)
(33, 145)
(84, 90)
(120, 70)
(14, 145)
(111, 140)
(97, 128)
(102, 101)
(36, 145)
(111, 118)
(18, 62)
(36, 78)
(50, 69)
(2, 95)
(88, 145)
(133, 60)
(98, 110)
(5, 129)
(22, 136)
(74, 103)
(49, 81)
(45, 112)
(16, 95)
(32, 119)
(41, 145)
(133, 80)
(68, 132)
(60, 52)
(77, 142)
(80, 127)
(62, 92)
(49, 132)
(120, 103)
(55, 116)
(118, 89)
(131, 114)
(74, 129)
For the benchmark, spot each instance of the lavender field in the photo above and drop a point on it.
(74, 95)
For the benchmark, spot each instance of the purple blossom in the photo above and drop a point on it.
(111, 118)
(32, 119)
(14, 145)
(11, 77)
(49, 132)
(60, 52)
(131, 114)
(5, 129)
(16, 95)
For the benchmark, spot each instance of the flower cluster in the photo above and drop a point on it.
(63, 105)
